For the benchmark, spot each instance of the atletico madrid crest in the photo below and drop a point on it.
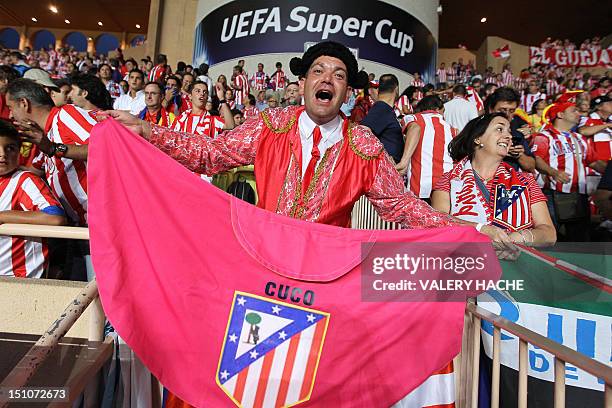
(512, 208)
(270, 352)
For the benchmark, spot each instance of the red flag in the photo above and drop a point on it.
(503, 52)
(230, 304)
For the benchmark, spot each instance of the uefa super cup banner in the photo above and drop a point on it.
(379, 31)
(575, 58)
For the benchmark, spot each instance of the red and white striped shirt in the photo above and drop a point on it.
(553, 87)
(203, 124)
(602, 141)
(399, 106)
(24, 191)
(473, 97)
(558, 150)
(451, 74)
(251, 112)
(157, 72)
(418, 83)
(259, 81)
(279, 80)
(441, 73)
(507, 78)
(431, 158)
(241, 89)
(69, 125)
(527, 100)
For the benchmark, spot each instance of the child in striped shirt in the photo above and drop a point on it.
(24, 199)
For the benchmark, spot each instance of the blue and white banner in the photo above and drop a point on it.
(381, 32)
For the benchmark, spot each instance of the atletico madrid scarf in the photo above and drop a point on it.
(507, 205)
(228, 304)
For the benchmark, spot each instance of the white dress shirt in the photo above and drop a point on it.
(331, 133)
(459, 111)
(133, 105)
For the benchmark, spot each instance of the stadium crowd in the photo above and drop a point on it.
(558, 118)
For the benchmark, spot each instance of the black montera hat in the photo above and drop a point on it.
(356, 79)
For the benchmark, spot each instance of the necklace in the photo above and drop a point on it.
(480, 177)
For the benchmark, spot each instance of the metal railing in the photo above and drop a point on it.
(562, 354)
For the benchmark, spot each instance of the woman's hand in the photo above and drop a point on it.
(519, 238)
(504, 246)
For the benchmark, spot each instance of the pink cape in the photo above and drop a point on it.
(176, 259)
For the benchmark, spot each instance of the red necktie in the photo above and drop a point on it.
(315, 156)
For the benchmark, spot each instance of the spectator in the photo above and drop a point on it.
(203, 76)
(18, 63)
(381, 118)
(481, 175)
(261, 104)
(441, 76)
(133, 100)
(240, 84)
(124, 86)
(89, 93)
(158, 72)
(272, 101)
(505, 100)
(250, 110)
(154, 112)
(562, 157)
(531, 95)
(364, 102)
(259, 80)
(7, 74)
(535, 116)
(238, 117)
(172, 99)
(598, 126)
(60, 93)
(292, 94)
(425, 157)
(603, 196)
(127, 68)
(489, 88)
(105, 72)
(198, 120)
(459, 111)
(222, 79)
(26, 199)
(278, 80)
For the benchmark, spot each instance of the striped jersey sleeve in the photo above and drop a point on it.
(33, 194)
(74, 125)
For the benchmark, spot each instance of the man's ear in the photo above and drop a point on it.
(26, 105)
(349, 90)
(301, 82)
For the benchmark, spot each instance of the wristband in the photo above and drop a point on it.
(479, 226)
(53, 150)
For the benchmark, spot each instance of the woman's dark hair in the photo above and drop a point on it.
(463, 144)
(429, 102)
(409, 92)
(534, 106)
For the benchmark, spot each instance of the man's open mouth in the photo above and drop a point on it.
(324, 95)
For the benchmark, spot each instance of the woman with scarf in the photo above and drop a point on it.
(481, 188)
